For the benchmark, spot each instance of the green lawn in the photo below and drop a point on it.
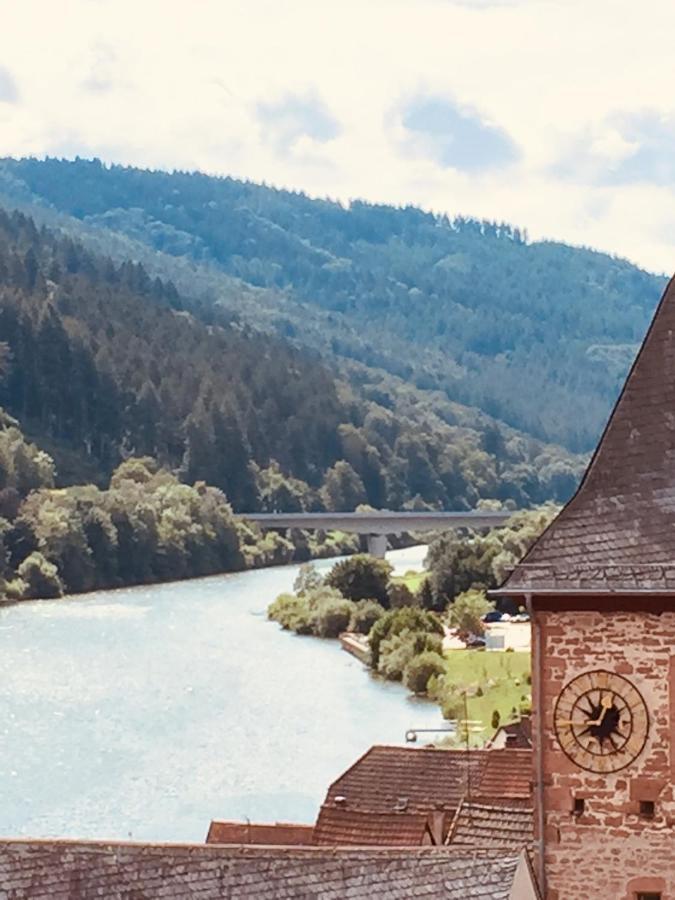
(501, 676)
(412, 580)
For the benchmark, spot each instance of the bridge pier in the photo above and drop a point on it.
(377, 545)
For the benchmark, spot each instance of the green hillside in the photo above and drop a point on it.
(101, 362)
(536, 335)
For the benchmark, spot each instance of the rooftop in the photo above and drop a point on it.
(507, 773)
(253, 833)
(617, 534)
(505, 826)
(344, 827)
(425, 778)
(79, 870)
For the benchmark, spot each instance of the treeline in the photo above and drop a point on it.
(537, 335)
(101, 362)
(145, 527)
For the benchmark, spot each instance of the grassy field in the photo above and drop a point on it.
(502, 678)
(412, 580)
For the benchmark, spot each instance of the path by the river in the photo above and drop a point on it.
(145, 712)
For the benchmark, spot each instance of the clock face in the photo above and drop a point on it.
(601, 721)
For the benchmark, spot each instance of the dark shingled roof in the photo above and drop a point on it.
(76, 870)
(617, 534)
(424, 778)
(342, 826)
(252, 833)
(505, 826)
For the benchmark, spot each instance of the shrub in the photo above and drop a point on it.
(452, 702)
(395, 654)
(496, 718)
(361, 577)
(466, 612)
(15, 589)
(41, 577)
(398, 650)
(420, 669)
(332, 616)
(366, 613)
(292, 613)
(397, 620)
(308, 579)
(400, 595)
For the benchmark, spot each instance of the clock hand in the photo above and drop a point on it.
(605, 703)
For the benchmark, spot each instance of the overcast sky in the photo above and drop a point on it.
(555, 115)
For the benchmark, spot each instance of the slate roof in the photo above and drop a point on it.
(76, 870)
(252, 833)
(505, 826)
(338, 826)
(426, 779)
(617, 534)
(507, 773)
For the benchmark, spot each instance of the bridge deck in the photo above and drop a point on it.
(385, 522)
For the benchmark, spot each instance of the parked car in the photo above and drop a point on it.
(493, 616)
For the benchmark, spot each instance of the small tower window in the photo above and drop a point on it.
(650, 895)
(579, 805)
(647, 812)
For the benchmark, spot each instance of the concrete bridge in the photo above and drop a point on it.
(377, 525)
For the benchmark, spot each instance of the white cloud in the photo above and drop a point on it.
(8, 89)
(177, 84)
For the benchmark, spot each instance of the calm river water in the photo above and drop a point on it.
(145, 712)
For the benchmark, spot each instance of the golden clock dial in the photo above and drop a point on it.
(601, 721)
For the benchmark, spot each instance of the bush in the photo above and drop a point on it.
(452, 702)
(292, 613)
(15, 589)
(396, 621)
(41, 578)
(361, 577)
(366, 613)
(332, 616)
(467, 610)
(308, 579)
(496, 718)
(400, 595)
(398, 651)
(420, 669)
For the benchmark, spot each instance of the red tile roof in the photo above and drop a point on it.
(422, 779)
(507, 773)
(251, 833)
(78, 870)
(506, 826)
(618, 531)
(346, 827)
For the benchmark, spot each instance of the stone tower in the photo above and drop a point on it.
(600, 586)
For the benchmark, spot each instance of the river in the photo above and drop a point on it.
(145, 712)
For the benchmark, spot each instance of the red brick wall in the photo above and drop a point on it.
(609, 851)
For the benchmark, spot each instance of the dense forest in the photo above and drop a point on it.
(537, 335)
(101, 362)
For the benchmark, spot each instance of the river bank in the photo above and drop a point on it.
(145, 712)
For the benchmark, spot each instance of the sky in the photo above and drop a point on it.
(557, 116)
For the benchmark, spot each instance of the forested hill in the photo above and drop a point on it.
(539, 335)
(101, 362)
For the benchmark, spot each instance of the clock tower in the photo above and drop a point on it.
(600, 587)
